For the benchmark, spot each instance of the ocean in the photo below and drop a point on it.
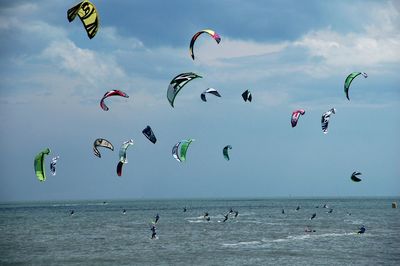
(100, 233)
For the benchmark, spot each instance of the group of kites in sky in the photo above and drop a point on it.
(88, 14)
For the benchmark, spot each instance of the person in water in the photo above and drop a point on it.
(309, 230)
(153, 230)
(362, 230)
(157, 217)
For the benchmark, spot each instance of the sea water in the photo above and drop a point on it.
(99, 233)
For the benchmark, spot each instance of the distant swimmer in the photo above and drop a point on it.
(124, 211)
(298, 208)
(313, 216)
(236, 213)
(72, 212)
(153, 230)
(157, 217)
(309, 230)
(330, 211)
(283, 211)
(205, 215)
(361, 230)
(184, 209)
(225, 217)
(349, 213)
(208, 218)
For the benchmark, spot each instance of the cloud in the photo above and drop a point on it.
(208, 52)
(378, 44)
(86, 64)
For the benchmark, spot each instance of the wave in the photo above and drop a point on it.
(242, 243)
(309, 236)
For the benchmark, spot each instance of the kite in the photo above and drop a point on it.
(122, 155)
(225, 152)
(53, 165)
(148, 132)
(101, 143)
(296, 115)
(246, 95)
(122, 150)
(184, 145)
(111, 93)
(88, 14)
(39, 164)
(349, 80)
(212, 33)
(325, 120)
(211, 91)
(354, 176)
(177, 84)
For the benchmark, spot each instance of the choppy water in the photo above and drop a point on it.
(100, 234)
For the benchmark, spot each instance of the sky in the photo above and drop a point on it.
(289, 54)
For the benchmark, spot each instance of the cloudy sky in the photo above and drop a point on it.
(290, 54)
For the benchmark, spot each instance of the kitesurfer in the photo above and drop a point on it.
(313, 216)
(153, 230)
(362, 230)
(309, 230)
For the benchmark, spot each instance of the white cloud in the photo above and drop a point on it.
(207, 52)
(93, 67)
(378, 44)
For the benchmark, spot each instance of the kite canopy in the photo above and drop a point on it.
(225, 152)
(177, 84)
(53, 165)
(211, 91)
(325, 120)
(184, 145)
(349, 80)
(122, 155)
(296, 115)
(101, 143)
(246, 95)
(148, 132)
(122, 150)
(354, 176)
(39, 164)
(212, 33)
(88, 14)
(109, 94)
